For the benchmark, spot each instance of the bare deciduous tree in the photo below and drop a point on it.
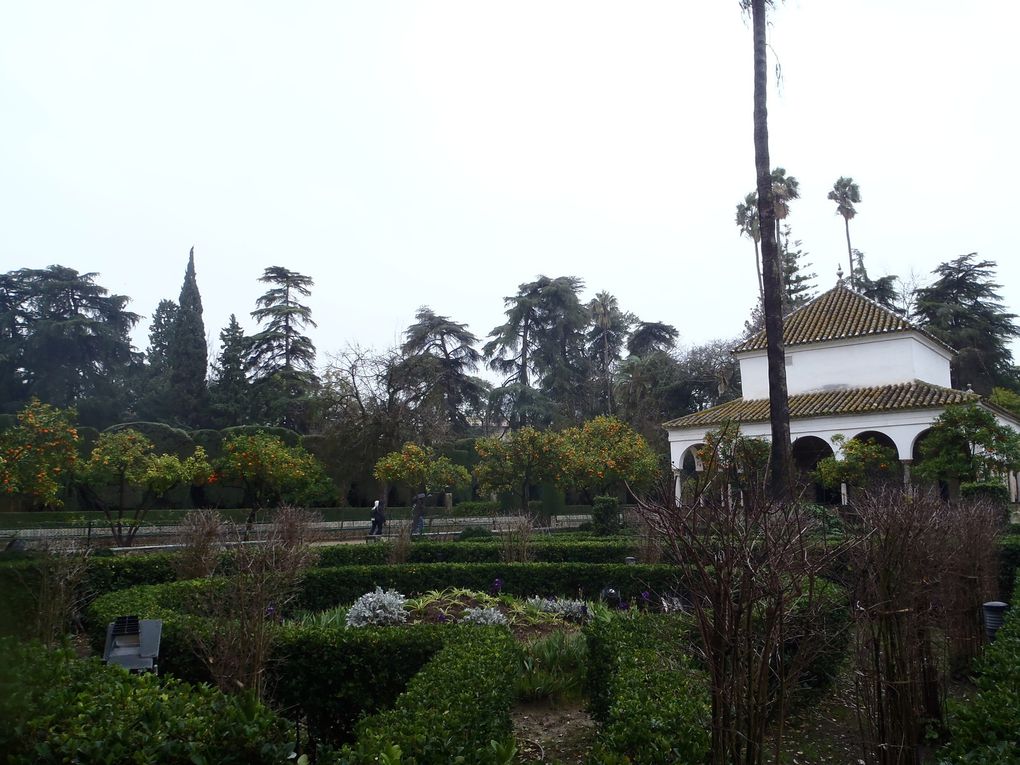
(751, 568)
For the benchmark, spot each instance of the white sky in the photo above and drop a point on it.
(443, 152)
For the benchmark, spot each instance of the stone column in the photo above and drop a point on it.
(906, 473)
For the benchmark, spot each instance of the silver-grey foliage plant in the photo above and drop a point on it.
(569, 610)
(378, 609)
(484, 616)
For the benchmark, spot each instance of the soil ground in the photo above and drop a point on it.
(548, 734)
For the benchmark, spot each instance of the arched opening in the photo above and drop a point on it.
(689, 463)
(917, 455)
(880, 438)
(808, 451)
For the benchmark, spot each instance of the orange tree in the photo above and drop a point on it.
(518, 461)
(39, 453)
(419, 467)
(863, 463)
(125, 461)
(272, 472)
(604, 453)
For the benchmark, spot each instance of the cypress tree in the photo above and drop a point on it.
(187, 354)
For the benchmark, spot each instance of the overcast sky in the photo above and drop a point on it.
(441, 153)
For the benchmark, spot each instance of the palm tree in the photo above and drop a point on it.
(779, 401)
(608, 329)
(747, 222)
(845, 193)
(785, 188)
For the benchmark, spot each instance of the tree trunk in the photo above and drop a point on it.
(849, 252)
(757, 266)
(779, 405)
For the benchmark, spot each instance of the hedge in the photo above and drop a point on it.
(58, 709)
(984, 728)
(653, 706)
(483, 551)
(325, 588)
(457, 709)
(330, 677)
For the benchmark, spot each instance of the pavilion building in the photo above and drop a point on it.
(853, 368)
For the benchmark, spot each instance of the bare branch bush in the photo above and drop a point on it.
(202, 538)
(516, 538)
(751, 568)
(248, 605)
(921, 569)
(649, 543)
(58, 591)
(400, 547)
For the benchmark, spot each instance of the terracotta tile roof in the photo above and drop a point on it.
(882, 398)
(837, 314)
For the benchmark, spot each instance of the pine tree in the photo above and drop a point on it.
(882, 290)
(963, 308)
(187, 353)
(229, 391)
(152, 382)
(798, 285)
(281, 360)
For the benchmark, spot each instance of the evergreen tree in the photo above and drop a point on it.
(152, 381)
(798, 285)
(14, 318)
(963, 308)
(281, 360)
(651, 336)
(882, 290)
(229, 391)
(187, 354)
(442, 351)
(76, 349)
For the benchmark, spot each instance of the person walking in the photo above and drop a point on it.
(378, 520)
(418, 514)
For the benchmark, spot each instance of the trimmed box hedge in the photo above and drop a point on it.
(457, 709)
(325, 588)
(652, 704)
(58, 709)
(482, 551)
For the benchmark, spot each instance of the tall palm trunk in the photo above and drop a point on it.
(779, 405)
(757, 265)
(849, 251)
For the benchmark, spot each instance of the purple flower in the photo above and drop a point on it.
(624, 605)
(441, 618)
(646, 596)
(270, 611)
(497, 585)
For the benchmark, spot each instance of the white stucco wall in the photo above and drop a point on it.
(902, 427)
(859, 363)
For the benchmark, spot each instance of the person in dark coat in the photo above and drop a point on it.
(378, 519)
(418, 514)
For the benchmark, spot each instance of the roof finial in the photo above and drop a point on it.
(970, 388)
(839, 274)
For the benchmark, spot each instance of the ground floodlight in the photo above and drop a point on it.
(133, 643)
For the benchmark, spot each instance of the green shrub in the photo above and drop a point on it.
(605, 515)
(325, 588)
(457, 709)
(984, 728)
(334, 676)
(164, 438)
(58, 709)
(993, 491)
(1009, 564)
(552, 550)
(475, 533)
(475, 507)
(643, 688)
